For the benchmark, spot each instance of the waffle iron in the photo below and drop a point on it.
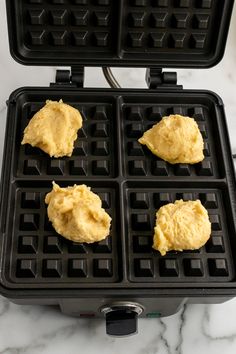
(121, 277)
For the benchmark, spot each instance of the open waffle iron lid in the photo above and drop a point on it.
(155, 33)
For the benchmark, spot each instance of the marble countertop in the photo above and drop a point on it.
(196, 329)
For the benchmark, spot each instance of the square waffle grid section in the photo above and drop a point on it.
(180, 26)
(179, 31)
(94, 154)
(139, 116)
(87, 26)
(40, 256)
(213, 262)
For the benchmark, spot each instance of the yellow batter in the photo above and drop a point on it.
(175, 139)
(77, 214)
(54, 129)
(181, 226)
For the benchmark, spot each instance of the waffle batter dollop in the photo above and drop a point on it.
(54, 129)
(176, 139)
(181, 226)
(77, 214)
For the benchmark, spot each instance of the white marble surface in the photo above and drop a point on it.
(197, 329)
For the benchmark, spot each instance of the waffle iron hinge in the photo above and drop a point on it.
(71, 78)
(156, 78)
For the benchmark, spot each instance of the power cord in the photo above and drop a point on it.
(113, 83)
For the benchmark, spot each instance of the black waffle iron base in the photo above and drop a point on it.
(121, 277)
(122, 273)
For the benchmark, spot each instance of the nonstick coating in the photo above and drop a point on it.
(161, 33)
(132, 183)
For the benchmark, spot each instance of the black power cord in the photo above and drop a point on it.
(110, 78)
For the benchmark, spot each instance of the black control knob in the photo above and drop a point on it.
(121, 318)
(121, 322)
